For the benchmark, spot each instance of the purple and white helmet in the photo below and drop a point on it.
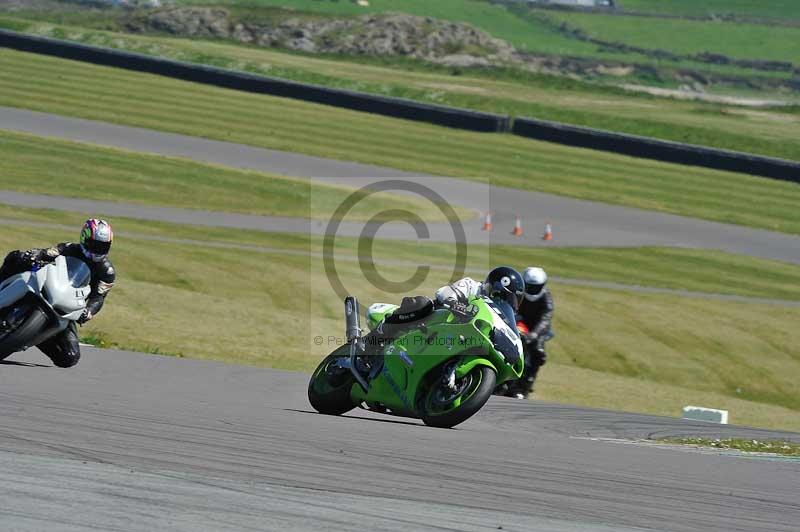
(96, 237)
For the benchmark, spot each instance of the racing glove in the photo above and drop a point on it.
(86, 316)
(39, 257)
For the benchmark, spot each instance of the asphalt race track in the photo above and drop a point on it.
(576, 222)
(135, 442)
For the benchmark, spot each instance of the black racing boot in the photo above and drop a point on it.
(517, 389)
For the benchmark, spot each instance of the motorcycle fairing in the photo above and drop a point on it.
(12, 290)
(66, 286)
(442, 338)
(54, 285)
(377, 312)
(504, 335)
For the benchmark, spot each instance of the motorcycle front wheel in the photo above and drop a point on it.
(445, 407)
(23, 334)
(329, 387)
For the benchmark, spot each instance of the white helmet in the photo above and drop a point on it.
(535, 279)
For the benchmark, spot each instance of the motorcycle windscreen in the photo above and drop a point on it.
(507, 313)
(78, 273)
(67, 285)
(504, 335)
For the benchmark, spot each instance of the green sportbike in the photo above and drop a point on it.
(439, 364)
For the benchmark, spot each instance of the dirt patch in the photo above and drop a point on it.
(701, 96)
(767, 117)
(626, 103)
(616, 70)
(470, 89)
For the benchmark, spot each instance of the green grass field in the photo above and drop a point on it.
(741, 41)
(614, 348)
(535, 32)
(493, 19)
(566, 383)
(780, 9)
(100, 93)
(34, 164)
(530, 30)
(766, 131)
(502, 23)
(701, 271)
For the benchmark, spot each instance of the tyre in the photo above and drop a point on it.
(329, 388)
(444, 408)
(64, 360)
(64, 351)
(24, 333)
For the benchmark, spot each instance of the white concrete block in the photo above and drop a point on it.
(699, 413)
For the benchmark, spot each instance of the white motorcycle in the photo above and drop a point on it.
(38, 304)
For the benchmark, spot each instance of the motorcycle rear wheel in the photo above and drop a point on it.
(443, 408)
(329, 388)
(23, 334)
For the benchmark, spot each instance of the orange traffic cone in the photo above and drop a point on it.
(487, 223)
(517, 228)
(548, 233)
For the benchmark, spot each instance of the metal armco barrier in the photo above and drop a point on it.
(555, 132)
(382, 105)
(660, 150)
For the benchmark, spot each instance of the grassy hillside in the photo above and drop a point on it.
(737, 40)
(565, 383)
(779, 9)
(614, 348)
(76, 89)
(493, 19)
(699, 271)
(773, 132)
(34, 164)
(533, 30)
(498, 21)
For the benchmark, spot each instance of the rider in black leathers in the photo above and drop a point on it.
(96, 236)
(536, 312)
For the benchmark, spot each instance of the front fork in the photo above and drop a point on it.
(353, 334)
(356, 346)
(449, 376)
